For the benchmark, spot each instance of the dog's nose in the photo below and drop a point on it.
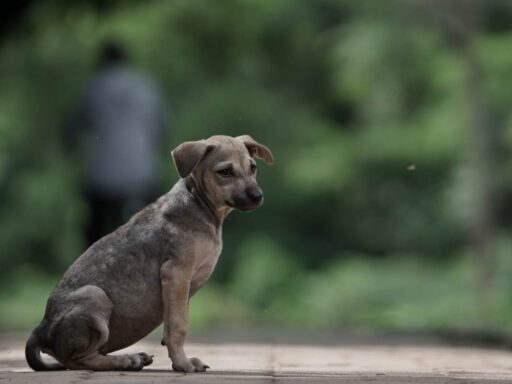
(255, 195)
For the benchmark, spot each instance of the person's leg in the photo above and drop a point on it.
(105, 215)
(109, 212)
(97, 210)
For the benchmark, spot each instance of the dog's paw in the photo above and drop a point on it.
(199, 365)
(133, 363)
(190, 365)
(137, 361)
(146, 359)
(185, 366)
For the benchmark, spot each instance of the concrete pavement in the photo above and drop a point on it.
(288, 363)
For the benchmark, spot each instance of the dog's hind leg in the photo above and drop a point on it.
(98, 362)
(81, 332)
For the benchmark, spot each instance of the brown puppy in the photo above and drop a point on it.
(125, 284)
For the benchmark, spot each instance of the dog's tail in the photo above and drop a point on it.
(33, 355)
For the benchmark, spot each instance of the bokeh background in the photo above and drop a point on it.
(390, 202)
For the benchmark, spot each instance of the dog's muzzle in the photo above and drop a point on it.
(251, 199)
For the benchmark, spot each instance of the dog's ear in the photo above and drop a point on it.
(187, 155)
(256, 149)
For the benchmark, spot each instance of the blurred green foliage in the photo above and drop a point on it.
(363, 105)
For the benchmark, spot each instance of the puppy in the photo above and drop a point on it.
(146, 271)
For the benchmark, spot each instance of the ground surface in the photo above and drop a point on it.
(289, 360)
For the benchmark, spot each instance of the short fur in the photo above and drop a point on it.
(145, 272)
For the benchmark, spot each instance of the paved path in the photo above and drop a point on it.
(287, 363)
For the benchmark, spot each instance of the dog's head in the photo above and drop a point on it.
(224, 168)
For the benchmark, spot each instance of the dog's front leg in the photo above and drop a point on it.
(175, 293)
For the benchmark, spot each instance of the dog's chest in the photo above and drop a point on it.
(207, 252)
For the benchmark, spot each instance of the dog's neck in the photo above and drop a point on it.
(217, 214)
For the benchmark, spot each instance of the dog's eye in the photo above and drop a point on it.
(253, 168)
(226, 172)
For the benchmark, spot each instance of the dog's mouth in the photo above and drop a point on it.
(243, 205)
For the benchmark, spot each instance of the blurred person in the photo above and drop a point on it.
(120, 118)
